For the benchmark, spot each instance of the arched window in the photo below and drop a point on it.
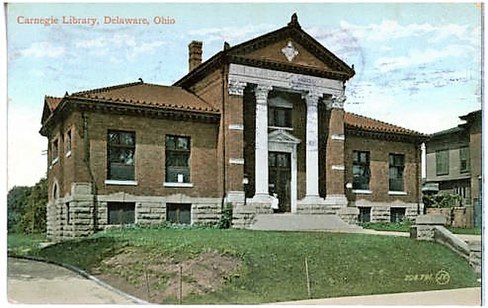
(55, 194)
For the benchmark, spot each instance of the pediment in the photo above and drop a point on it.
(282, 136)
(288, 52)
(290, 48)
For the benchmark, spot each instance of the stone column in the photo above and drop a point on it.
(261, 143)
(312, 150)
(335, 153)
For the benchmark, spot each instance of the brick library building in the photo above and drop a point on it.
(259, 126)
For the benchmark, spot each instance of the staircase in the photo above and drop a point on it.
(300, 222)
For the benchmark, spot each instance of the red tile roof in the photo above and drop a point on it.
(355, 121)
(148, 95)
(52, 102)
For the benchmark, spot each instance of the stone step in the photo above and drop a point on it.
(297, 222)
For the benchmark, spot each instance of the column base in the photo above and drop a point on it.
(262, 198)
(312, 200)
(338, 200)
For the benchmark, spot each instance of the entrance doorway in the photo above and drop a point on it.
(279, 175)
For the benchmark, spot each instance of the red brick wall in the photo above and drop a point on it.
(150, 151)
(211, 89)
(335, 153)
(379, 168)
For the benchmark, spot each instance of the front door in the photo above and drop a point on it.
(280, 179)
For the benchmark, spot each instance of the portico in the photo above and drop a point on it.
(314, 91)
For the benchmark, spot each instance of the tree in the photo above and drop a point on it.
(33, 217)
(17, 199)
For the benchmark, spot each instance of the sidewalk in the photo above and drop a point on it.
(32, 282)
(464, 297)
(464, 237)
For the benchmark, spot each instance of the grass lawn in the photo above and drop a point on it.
(22, 244)
(272, 264)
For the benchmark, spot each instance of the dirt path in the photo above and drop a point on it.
(32, 282)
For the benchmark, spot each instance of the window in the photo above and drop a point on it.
(462, 191)
(442, 162)
(121, 150)
(279, 117)
(397, 165)
(67, 141)
(397, 214)
(121, 213)
(360, 170)
(364, 214)
(177, 159)
(55, 150)
(464, 159)
(68, 215)
(179, 213)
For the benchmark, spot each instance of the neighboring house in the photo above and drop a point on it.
(261, 118)
(454, 160)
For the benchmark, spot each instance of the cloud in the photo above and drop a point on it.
(43, 50)
(391, 29)
(230, 34)
(418, 57)
(119, 44)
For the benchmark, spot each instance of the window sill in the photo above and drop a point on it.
(397, 193)
(282, 128)
(68, 154)
(121, 182)
(362, 191)
(182, 185)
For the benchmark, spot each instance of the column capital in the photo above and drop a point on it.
(312, 97)
(236, 87)
(336, 102)
(261, 92)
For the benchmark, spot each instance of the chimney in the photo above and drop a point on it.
(195, 54)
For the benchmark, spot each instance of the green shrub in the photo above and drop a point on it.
(33, 215)
(443, 200)
(225, 221)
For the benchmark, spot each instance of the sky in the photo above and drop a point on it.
(417, 65)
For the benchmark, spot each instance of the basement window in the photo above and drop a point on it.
(178, 213)
(121, 213)
(68, 214)
(364, 214)
(397, 214)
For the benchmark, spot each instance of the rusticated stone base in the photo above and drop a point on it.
(381, 211)
(73, 216)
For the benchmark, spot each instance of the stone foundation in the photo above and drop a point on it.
(72, 216)
(381, 211)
